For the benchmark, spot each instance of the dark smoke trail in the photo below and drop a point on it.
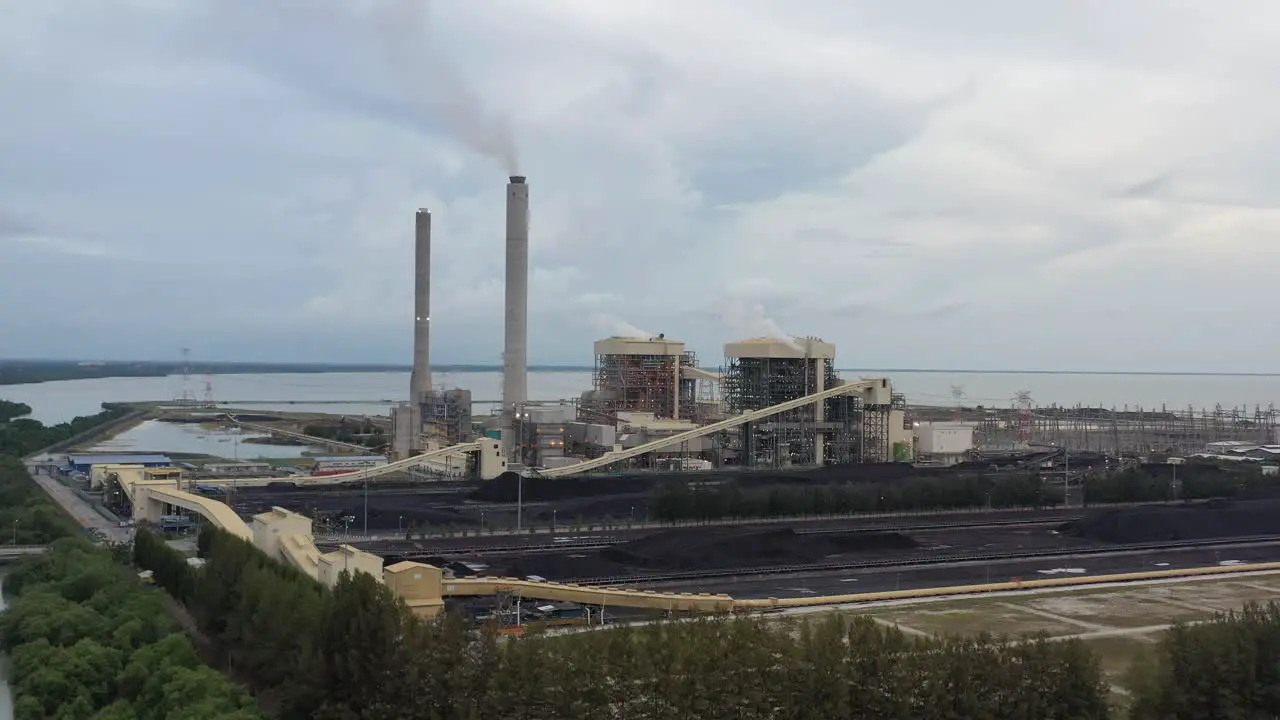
(431, 83)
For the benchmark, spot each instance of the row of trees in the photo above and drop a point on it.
(355, 651)
(20, 436)
(88, 640)
(677, 500)
(27, 515)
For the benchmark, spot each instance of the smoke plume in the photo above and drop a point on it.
(617, 327)
(433, 85)
(750, 319)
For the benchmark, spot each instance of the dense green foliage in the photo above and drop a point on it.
(355, 651)
(88, 640)
(10, 410)
(21, 436)
(355, 431)
(1228, 667)
(677, 500)
(27, 515)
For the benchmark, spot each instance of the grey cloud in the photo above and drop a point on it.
(919, 175)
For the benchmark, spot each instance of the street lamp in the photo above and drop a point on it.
(15, 532)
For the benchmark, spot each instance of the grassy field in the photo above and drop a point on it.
(1119, 623)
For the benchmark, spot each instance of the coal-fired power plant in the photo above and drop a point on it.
(515, 351)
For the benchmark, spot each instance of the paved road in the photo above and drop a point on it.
(82, 511)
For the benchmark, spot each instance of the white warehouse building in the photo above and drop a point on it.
(947, 442)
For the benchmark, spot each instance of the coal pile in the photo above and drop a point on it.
(503, 489)
(698, 549)
(709, 549)
(1216, 519)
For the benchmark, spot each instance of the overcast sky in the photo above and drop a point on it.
(926, 183)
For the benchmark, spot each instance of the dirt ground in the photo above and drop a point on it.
(1118, 623)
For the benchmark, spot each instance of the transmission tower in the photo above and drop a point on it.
(186, 397)
(208, 391)
(958, 395)
(1023, 403)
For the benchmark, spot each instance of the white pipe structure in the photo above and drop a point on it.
(515, 352)
(420, 377)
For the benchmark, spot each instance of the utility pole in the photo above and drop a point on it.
(366, 507)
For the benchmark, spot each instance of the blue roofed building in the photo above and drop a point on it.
(82, 463)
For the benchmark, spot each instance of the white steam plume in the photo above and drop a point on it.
(617, 327)
(750, 319)
(429, 81)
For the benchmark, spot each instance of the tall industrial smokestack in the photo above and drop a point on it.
(515, 353)
(420, 379)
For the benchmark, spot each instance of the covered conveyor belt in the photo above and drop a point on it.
(861, 386)
(365, 474)
(586, 595)
(696, 373)
(147, 495)
(301, 552)
(723, 603)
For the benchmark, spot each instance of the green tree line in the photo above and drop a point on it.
(355, 651)
(88, 640)
(355, 432)
(27, 515)
(20, 436)
(677, 500)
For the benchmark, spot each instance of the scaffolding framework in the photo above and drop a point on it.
(644, 384)
(446, 416)
(846, 431)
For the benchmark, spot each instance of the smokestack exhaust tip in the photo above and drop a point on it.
(517, 179)
(423, 210)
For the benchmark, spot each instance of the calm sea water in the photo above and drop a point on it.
(155, 436)
(372, 393)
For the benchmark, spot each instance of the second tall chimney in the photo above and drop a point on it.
(515, 352)
(420, 379)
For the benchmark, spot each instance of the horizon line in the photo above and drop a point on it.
(558, 367)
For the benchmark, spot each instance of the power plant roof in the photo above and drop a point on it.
(660, 345)
(767, 347)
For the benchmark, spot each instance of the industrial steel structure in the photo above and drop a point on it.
(1124, 431)
(873, 392)
(762, 372)
(643, 375)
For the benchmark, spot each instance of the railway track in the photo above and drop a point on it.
(954, 558)
(601, 543)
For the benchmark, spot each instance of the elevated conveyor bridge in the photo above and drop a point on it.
(490, 467)
(876, 392)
